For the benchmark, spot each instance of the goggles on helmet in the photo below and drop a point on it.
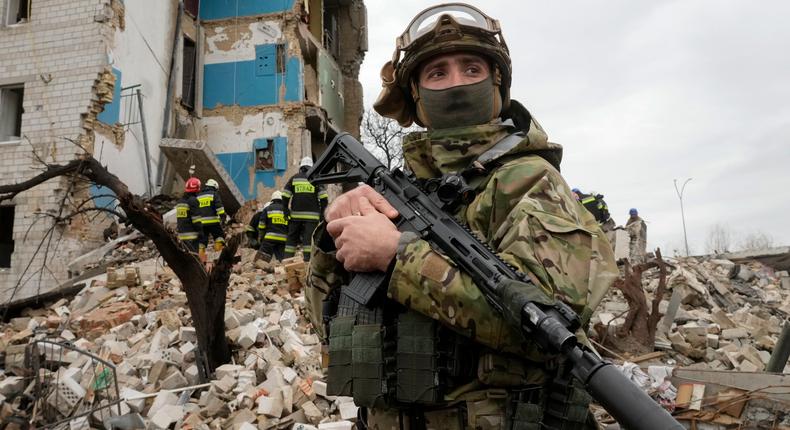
(446, 22)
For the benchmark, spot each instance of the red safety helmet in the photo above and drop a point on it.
(192, 185)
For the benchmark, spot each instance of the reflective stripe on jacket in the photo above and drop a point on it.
(210, 205)
(306, 201)
(273, 223)
(188, 219)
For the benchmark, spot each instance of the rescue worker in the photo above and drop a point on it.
(305, 204)
(273, 228)
(597, 206)
(189, 220)
(637, 234)
(451, 73)
(213, 213)
(251, 231)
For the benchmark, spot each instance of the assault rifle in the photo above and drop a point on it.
(511, 293)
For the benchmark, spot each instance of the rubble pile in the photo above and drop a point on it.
(721, 322)
(728, 316)
(137, 318)
(125, 348)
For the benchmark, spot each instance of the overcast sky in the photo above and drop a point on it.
(642, 92)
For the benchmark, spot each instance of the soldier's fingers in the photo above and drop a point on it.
(335, 228)
(338, 209)
(365, 207)
(378, 201)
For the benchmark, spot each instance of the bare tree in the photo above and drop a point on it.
(383, 136)
(719, 239)
(205, 289)
(639, 331)
(756, 240)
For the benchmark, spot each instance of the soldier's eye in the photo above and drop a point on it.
(435, 74)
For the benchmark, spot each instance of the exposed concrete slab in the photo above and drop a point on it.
(770, 386)
(183, 153)
(778, 257)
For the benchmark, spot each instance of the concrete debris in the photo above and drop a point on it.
(136, 316)
(724, 316)
(727, 321)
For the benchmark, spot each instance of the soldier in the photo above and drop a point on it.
(188, 219)
(273, 228)
(637, 234)
(454, 363)
(307, 203)
(213, 213)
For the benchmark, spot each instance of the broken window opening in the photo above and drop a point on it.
(264, 157)
(17, 12)
(192, 7)
(6, 235)
(189, 59)
(330, 31)
(11, 109)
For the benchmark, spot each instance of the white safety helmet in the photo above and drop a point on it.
(212, 183)
(306, 161)
(277, 195)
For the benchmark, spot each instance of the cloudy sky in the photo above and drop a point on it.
(642, 92)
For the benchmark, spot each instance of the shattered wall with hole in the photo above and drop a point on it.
(139, 55)
(254, 73)
(254, 89)
(259, 75)
(72, 57)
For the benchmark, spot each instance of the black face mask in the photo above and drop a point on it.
(459, 106)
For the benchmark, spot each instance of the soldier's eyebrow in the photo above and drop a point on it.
(439, 62)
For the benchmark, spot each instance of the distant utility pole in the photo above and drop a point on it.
(682, 214)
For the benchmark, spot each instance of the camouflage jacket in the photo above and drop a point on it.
(526, 212)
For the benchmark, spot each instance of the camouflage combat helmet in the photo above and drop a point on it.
(455, 27)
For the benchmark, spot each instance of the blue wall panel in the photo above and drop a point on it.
(218, 84)
(240, 164)
(239, 83)
(294, 83)
(219, 9)
(112, 111)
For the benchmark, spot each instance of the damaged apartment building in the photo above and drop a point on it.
(158, 90)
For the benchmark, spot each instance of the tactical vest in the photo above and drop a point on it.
(389, 357)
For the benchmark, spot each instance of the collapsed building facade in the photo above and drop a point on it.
(156, 90)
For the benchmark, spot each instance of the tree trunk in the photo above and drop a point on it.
(205, 291)
(640, 324)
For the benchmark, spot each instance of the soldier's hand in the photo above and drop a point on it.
(364, 242)
(348, 204)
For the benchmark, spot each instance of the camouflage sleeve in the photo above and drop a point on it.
(528, 214)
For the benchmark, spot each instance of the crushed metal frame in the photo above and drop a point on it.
(42, 356)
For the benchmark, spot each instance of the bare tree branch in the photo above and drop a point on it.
(383, 136)
(10, 191)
